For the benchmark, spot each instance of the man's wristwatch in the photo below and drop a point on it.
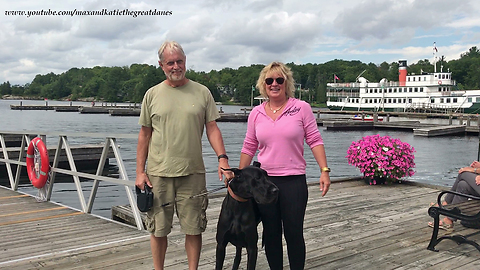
(222, 156)
(326, 169)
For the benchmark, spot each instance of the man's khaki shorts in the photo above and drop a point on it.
(190, 212)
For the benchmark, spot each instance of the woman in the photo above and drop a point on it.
(467, 182)
(278, 128)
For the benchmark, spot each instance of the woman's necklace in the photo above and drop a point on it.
(276, 110)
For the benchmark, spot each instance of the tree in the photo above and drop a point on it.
(18, 90)
(5, 88)
(92, 88)
(473, 52)
(130, 83)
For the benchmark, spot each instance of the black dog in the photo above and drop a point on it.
(239, 215)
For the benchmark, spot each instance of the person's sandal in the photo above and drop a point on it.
(436, 204)
(443, 226)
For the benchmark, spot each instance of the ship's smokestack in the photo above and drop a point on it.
(402, 72)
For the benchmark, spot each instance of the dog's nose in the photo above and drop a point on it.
(274, 190)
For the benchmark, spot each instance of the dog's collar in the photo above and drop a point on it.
(235, 197)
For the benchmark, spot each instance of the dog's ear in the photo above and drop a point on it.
(257, 164)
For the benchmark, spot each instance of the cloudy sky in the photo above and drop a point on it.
(230, 33)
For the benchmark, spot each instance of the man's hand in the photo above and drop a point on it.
(141, 179)
(223, 163)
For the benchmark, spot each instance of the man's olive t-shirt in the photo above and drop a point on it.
(178, 117)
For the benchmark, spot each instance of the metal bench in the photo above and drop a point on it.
(467, 212)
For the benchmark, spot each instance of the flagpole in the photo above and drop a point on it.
(334, 78)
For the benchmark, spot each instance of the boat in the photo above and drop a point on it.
(433, 92)
(359, 117)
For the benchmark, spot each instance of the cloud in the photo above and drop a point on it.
(385, 19)
(247, 40)
(227, 33)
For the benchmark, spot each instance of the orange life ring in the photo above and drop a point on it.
(41, 180)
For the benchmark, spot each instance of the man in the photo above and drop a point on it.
(173, 116)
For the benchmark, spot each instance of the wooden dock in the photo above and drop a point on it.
(355, 226)
(51, 236)
(439, 131)
(124, 112)
(233, 117)
(104, 107)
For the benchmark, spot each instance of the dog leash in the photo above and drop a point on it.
(198, 195)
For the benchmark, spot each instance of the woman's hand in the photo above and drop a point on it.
(477, 180)
(468, 169)
(475, 164)
(324, 183)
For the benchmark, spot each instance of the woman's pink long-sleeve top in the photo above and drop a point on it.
(281, 142)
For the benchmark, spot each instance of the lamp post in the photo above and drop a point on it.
(299, 89)
(251, 96)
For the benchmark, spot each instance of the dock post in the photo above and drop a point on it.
(468, 120)
(375, 117)
(450, 119)
(478, 126)
(388, 117)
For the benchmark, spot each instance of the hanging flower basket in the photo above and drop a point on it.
(382, 159)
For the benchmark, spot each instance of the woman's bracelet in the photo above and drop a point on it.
(475, 170)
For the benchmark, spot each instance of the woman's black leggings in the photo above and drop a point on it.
(289, 211)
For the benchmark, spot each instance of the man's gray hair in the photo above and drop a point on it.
(173, 45)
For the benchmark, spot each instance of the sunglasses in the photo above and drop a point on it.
(279, 80)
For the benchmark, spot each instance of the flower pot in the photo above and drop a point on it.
(376, 180)
(377, 155)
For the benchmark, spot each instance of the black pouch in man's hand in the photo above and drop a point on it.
(144, 198)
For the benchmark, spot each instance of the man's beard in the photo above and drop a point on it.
(175, 76)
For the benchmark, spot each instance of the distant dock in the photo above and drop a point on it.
(71, 107)
(117, 110)
(458, 123)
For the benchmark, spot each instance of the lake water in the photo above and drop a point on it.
(437, 159)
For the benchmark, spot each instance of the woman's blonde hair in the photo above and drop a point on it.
(281, 68)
